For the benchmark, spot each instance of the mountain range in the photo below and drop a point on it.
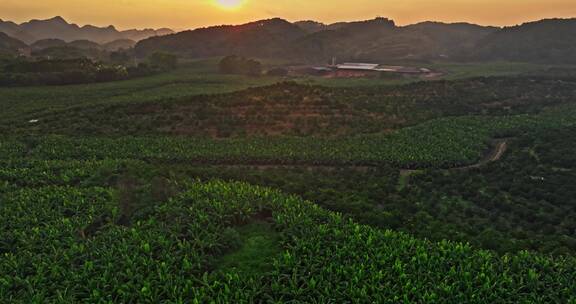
(380, 39)
(58, 28)
(376, 40)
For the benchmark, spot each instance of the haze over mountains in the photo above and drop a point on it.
(58, 28)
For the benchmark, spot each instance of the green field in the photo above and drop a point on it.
(199, 78)
(437, 143)
(194, 78)
(454, 71)
(70, 241)
(106, 199)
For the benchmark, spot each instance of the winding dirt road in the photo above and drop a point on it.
(499, 148)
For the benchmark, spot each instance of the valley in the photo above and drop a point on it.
(240, 164)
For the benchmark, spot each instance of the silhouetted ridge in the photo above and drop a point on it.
(58, 28)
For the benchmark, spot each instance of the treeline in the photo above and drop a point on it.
(240, 66)
(25, 72)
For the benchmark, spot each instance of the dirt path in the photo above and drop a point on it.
(308, 167)
(499, 148)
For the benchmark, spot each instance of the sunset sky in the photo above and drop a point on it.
(182, 14)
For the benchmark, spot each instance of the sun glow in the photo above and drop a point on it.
(229, 4)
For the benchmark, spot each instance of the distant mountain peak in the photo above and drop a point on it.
(58, 28)
(58, 19)
(376, 21)
(54, 20)
(269, 22)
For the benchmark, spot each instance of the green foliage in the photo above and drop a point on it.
(114, 219)
(290, 109)
(278, 72)
(521, 202)
(239, 65)
(197, 78)
(251, 249)
(524, 201)
(549, 41)
(60, 52)
(55, 249)
(163, 61)
(10, 46)
(445, 142)
(65, 72)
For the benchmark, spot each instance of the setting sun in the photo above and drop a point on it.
(229, 4)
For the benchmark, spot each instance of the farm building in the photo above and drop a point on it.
(374, 69)
(353, 70)
(350, 70)
(358, 66)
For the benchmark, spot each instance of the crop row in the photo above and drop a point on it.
(437, 143)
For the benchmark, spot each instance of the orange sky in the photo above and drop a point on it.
(181, 14)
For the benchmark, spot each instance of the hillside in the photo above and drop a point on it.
(310, 26)
(445, 40)
(264, 38)
(9, 45)
(379, 40)
(362, 40)
(347, 41)
(59, 28)
(289, 109)
(119, 44)
(549, 41)
(48, 43)
(376, 39)
(84, 45)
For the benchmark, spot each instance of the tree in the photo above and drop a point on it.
(163, 61)
(120, 57)
(278, 72)
(239, 65)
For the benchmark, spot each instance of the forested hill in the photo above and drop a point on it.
(9, 45)
(549, 41)
(381, 40)
(546, 41)
(264, 38)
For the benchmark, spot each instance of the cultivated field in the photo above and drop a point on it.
(235, 189)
